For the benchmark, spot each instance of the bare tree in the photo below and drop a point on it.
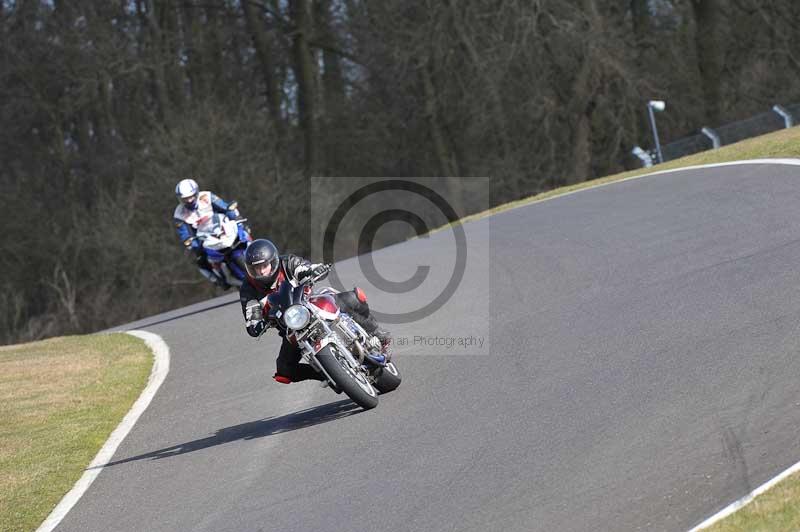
(708, 19)
(266, 56)
(305, 71)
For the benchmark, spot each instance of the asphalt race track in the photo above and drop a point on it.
(639, 371)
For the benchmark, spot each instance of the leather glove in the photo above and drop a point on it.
(260, 327)
(233, 210)
(257, 328)
(253, 311)
(317, 270)
(254, 315)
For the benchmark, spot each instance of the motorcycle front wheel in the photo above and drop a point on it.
(350, 380)
(387, 378)
(239, 261)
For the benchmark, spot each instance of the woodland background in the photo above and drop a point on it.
(106, 104)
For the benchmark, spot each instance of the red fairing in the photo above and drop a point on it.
(361, 295)
(325, 302)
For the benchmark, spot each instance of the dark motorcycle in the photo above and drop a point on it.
(332, 342)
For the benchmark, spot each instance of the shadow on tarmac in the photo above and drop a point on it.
(176, 317)
(254, 429)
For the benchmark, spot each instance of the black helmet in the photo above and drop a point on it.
(262, 261)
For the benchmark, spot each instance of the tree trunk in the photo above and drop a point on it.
(581, 151)
(495, 100)
(305, 72)
(191, 36)
(580, 105)
(212, 52)
(156, 60)
(255, 25)
(444, 157)
(332, 112)
(171, 51)
(640, 13)
(707, 15)
(102, 112)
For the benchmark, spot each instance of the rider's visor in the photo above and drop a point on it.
(263, 269)
(189, 200)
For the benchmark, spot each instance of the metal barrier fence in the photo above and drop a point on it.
(778, 118)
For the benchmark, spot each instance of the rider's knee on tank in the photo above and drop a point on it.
(354, 301)
(213, 277)
(201, 258)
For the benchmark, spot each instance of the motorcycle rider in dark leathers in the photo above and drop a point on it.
(266, 270)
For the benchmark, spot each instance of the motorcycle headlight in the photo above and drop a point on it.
(296, 317)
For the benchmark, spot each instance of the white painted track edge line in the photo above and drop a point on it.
(157, 375)
(161, 368)
(533, 200)
(744, 501)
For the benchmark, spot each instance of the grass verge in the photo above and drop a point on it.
(60, 399)
(776, 509)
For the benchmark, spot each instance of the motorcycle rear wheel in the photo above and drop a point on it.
(350, 380)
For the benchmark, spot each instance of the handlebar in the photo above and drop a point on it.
(270, 323)
(325, 270)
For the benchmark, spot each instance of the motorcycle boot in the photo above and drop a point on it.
(219, 277)
(221, 282)
(213, 278)
(385, 337)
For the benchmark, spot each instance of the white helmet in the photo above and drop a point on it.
(186, 191)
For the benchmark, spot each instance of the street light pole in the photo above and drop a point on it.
(656, 105)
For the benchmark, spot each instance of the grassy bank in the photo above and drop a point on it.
(61, 398)
(780, 144)
(59, 401)
(776, 510)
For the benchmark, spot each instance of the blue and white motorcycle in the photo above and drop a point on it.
(225, 242)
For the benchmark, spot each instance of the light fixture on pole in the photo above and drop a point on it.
(656, 105)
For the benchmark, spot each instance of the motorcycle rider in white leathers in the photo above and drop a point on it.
(195, 206)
